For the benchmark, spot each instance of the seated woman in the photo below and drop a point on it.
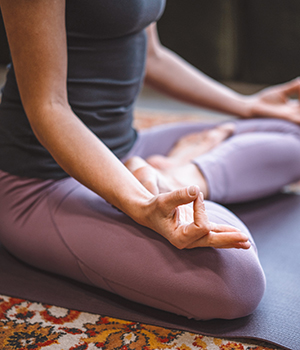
(68, 203)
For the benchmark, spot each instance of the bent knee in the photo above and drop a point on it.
(235, 294)
(243, 298)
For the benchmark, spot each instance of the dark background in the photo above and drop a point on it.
(254, 41)
(4, 52)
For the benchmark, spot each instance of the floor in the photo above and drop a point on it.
(150, 100)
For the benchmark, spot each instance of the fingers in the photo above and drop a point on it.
(203, 233)
(226, 236)
(228, 239)
(192, 228)
(223, 228)
(173, 199)
(231, 237)
(225, 240)
(291, 88)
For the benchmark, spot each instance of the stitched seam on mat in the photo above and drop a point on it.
(64, 242)
(148, 296)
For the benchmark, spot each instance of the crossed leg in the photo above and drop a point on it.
(175, 169)
(62, 227)
(230, 163)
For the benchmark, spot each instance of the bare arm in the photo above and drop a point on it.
(37, 39)
(169, 73)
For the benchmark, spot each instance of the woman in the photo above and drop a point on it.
(70, 206)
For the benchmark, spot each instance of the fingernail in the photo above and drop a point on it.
(201, 196)
(192, 190)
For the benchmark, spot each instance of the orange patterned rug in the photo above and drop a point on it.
(145, 118)
(26, 325)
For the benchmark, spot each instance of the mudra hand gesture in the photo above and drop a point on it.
(187, 227)
(278, 102)
(183, 225)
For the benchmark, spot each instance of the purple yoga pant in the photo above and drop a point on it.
(62, 227)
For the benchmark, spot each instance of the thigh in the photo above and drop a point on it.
(69, 230)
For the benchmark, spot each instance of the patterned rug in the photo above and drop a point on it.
(145, 118)
(26, 325)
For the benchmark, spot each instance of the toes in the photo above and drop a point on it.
(160, 162)
(222, 131)
(218, 134)
(228, 127)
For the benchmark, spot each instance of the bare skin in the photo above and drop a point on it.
(168, 73)
(162, 181)
(41, 73)
(191, 146)
(160, 174)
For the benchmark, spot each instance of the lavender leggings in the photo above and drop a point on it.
(62, 227)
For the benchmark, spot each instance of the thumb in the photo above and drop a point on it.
(180, 197)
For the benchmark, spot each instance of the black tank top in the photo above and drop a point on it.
(106, 57)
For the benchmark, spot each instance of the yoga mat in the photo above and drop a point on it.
(275, 225)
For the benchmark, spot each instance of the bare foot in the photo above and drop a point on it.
(162, 181)
(191, 146)
(149, 177)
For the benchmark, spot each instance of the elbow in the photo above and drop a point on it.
(45, 116)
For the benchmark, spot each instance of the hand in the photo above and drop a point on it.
(185, 227)
(276, 102)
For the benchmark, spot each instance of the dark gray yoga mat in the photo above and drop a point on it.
(275, 225)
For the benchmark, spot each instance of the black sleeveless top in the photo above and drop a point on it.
(106, 57)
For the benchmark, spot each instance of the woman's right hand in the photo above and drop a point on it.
(186, 227)
(280, 101)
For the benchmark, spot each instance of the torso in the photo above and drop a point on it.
(106, 57)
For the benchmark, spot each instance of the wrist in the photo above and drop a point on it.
(138, 207)
(142, 212)
(244, 106)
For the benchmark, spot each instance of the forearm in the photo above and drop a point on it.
(83, 156)
(41, 69)
(170, 74)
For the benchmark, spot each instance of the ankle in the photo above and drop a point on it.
(190, 174)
